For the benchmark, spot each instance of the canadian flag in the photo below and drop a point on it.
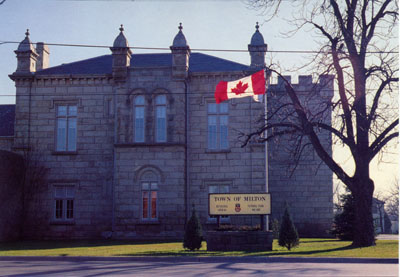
(248, 86)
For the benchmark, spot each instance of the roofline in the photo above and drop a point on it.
(64, 64)
(55, 76)
(208, 73)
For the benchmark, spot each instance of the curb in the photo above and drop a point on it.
(214, 259)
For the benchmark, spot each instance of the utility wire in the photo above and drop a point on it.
(196, 49)
(211, 93)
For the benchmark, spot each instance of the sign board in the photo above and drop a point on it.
(239, 203)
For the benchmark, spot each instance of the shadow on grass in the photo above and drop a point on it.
(239, 253)
(311, 252)
(321, 240)
(50, 244)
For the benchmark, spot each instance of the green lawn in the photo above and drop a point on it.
(307, 248)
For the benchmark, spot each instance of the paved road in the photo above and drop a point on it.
(387, 237)
(194, 267)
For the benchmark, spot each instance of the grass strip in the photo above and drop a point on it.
(111, 248)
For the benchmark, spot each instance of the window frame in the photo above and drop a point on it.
(221, 143)
(157, 106)
(136, 107)
(149, 190)
(64, 203)
(68, 119)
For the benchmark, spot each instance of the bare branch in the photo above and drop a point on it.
(307, 129)
(332, 130)
(293, 128)
(377, 96)
(372, 25)
(383, 139)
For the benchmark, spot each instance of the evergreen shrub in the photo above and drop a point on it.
(288, 236)
(193, 233)
(344, 221)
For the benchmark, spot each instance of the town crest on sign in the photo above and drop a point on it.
(237, 207)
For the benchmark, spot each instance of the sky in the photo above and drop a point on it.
(207, 24)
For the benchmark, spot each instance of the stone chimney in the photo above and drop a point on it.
(44, 53)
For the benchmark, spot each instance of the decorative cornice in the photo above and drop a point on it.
(139, 145)
(60, 80)
(22, 76)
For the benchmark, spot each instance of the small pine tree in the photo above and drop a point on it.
(193, 233)
(288, 236)
(343, 222)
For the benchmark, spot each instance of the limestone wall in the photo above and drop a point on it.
(88, 169)
(108, 168)
(305, 184)
(11, 178)
(150, 161)
(239, 169)
(6, 143)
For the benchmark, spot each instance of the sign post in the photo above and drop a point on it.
(223, 204)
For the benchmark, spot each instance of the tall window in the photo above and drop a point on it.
(217, 126)
(139, 118)
(66, 128)
(161, 118)
(64, 202)
(149, 201)
(218, 189)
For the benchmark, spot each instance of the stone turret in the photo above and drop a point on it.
(121, 56)
(257, 49)
(26, 56)
(180, 55)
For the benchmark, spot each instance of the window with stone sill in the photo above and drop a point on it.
(139, 119)
(217, 126)
(161, 118)
(64, 197)
(66, 133)
(149, 201)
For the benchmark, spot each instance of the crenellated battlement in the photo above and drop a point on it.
(324, 84)
(305, 80)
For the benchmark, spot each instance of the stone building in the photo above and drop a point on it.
(131, 141)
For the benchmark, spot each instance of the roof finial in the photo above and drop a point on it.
(257, 26)
(27, 33)
(121, 28)
(180, 27)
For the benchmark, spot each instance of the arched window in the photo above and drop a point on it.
(149, 182)
(139, 118)
(161, 118)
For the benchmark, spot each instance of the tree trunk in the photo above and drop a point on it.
(364, 225)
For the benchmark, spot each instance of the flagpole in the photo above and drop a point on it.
(266, 143)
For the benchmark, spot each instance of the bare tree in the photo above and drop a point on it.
(392, 201)
(2, 2)
(357, 46)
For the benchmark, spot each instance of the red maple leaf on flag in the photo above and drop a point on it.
(240, 88)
